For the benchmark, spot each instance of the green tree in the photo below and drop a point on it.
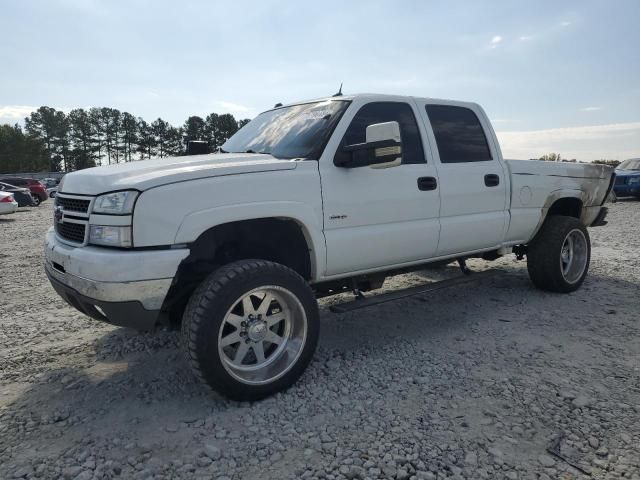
(49, 125)
(129, 135)
(551, 157)
(20, 152)
(95, 116)
(160, 130)
(611, 163)
(111, 124)
(211, 130)
(218, 129)
(193, 129)
(146, 141)
(228, 126)
(175, 144)
(83, 138)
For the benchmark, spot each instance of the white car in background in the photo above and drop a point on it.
(8, 204)
(51, 192)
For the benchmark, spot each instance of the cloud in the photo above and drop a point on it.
(590, 109)
(565, 24)
(614, 141)
(496, 40)
(525, 38)
(503, 120)
(235, 108)
(15, 113)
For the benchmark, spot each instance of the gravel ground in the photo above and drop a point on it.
(470, 382)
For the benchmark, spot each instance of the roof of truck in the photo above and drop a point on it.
(376, 96)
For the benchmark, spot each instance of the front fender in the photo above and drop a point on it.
(196, 223)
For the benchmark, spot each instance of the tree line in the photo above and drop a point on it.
(55, 141)
(556, 157)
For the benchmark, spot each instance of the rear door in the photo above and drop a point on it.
(472, 178)
(376, 218)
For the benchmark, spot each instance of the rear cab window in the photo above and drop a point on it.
(459, 134)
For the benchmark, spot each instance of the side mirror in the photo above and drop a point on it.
(382, 148)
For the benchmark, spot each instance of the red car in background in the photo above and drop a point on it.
(38, 191)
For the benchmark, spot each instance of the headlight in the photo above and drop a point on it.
(633, 180)
(110, 236)
(116, 203)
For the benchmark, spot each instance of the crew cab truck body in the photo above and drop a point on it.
(309, 199)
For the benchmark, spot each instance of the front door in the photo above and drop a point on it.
(376, 218)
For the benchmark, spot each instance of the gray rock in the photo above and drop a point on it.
(546, 460)
(581, 401)
(71, 472)
(212, 451)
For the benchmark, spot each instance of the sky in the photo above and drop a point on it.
(553, 76)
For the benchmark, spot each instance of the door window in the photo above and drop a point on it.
(381, 112)
(459, 134)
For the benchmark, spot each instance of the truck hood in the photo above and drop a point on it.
(145, 174)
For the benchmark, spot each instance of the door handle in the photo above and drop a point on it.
(427, 183)
(491, 180)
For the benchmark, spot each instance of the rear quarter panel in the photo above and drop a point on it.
(536, 185)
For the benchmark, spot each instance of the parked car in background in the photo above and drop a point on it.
(51, 191)
(628, 179)
(22, 195)
(38, 191)
(7, 203)
(50, 182)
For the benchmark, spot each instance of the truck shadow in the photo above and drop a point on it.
(139, 385)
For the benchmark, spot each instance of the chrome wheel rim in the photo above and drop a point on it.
(573, 256)
(262, 335)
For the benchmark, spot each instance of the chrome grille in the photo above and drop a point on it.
(74, 232)
(71, 217)
(73, 204)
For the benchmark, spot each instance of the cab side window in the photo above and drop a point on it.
(459, 134)
(380, 112)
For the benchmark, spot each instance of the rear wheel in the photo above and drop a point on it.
(250, 329)
(559, 255)
(36, 200)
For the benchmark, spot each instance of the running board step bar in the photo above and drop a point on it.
(408, 292)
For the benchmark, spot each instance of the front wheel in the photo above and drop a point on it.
(250, 329)
(36, 200)
(558, 257)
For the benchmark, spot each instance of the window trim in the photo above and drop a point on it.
(479, 118)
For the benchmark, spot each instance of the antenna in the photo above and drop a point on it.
(339, 94)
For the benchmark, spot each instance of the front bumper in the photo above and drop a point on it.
(122, 287)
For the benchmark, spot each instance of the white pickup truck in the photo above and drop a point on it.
(308, 200)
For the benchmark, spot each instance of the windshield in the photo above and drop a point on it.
(631, 164)
(299, 131)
